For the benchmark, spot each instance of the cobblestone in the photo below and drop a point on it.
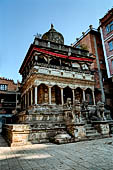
(87, 155)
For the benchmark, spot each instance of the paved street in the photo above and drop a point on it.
(91, 155)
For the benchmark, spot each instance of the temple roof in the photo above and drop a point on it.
(53, 35)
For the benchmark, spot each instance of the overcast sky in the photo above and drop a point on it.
(20, 20)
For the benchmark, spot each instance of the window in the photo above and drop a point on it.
(3, 87)
(110, 45)
(109, 27)
(112, 64)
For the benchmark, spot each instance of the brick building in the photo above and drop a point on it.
(9, 99)
(106, 30)
(91, 40)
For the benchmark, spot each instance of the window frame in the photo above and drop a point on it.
(110, 43)
(3, 87)
(109, 27)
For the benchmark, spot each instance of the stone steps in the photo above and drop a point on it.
(89, 128)
(46, 125)
(91, 132)
(46, 110)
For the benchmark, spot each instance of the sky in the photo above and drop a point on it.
(20, 20)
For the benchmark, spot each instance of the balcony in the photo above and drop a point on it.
(10, 105)
(60, 47)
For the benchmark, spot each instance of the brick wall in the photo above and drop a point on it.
(11, 85)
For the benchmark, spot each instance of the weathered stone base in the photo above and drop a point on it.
(102, 127)
(24, 134)
(76, 130)
(43, 124)
(111, 127)
(16, 135)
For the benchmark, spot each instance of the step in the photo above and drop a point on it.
(46, 125)
(89, 128)
(91, 131)
(93, 135)
(88, 125)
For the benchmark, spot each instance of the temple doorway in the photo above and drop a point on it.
(89, 96)
(67, 94)
(43, 96)
(56, 95)
(79, 94)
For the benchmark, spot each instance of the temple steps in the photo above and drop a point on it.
(48, 125)
(91, 132)
(52, 109)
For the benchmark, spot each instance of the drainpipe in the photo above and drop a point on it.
(99, 71)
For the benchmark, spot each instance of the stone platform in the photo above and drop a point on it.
(52, 124)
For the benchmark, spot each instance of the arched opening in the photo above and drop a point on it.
(43, 96)
(22, 102)
(67, 93)
(65, 63)
(42, 59)
(56, 95)
(55, 61)
(79, 94)
(89, 96)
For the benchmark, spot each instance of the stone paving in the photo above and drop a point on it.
(87, 155)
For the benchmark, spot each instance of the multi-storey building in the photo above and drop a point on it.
(91, 40)
(9, 99)
(106, 30)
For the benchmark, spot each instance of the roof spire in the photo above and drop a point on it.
(52, 27)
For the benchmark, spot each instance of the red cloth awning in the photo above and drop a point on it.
(62, 56)
(57, 55)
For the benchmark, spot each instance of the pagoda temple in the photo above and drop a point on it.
(57, 95)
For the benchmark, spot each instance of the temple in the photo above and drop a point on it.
(57, 93)
(52, 72)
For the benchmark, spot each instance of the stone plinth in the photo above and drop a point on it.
(16, 134)
(102, 127)
(76, 130)
(111, 127)
(24, 134)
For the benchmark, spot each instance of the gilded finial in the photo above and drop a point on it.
(52, 26)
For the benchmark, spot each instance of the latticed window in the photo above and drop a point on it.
(3, 87)
(110, 45)
(109, 27)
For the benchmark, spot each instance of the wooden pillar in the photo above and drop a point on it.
(73, 91)
(93, 97)
(84, 98)
(36, 92)
(62, 98)
(25, 100)
(49, 95)
(31, 96)
(28, 97)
